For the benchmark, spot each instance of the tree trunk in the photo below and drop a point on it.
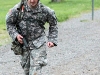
(56, 0)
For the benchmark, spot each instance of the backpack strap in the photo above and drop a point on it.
(19, 18)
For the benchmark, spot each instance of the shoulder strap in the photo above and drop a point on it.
(20, 14)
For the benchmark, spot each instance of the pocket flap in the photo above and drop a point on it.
(39, 41)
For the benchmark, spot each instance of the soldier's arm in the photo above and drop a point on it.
(53, 29)
(11, 19)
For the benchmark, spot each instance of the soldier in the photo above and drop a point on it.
(32, 22)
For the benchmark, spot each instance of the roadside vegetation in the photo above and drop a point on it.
(64, 10)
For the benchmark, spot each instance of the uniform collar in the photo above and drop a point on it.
(35, 10)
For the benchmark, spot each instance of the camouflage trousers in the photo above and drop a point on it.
(32, 61)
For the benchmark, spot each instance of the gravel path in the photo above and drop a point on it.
(78, 51)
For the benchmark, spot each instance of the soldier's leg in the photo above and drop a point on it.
(38, 59)
(25, 62)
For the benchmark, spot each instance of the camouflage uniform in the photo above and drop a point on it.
(35, 58)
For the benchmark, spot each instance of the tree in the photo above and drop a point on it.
(56, 0)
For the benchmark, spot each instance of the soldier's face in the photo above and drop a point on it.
(32, 3)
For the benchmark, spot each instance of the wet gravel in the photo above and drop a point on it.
(77, 53)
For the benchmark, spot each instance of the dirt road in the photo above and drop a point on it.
(78, 51)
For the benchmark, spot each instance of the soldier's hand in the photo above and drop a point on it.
(50, 44)
(19, 38)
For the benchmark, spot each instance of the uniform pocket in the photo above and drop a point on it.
(39, 42)
(16, 47)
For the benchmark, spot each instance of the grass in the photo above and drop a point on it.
(64, 10)
(70, 8)
(4, 8)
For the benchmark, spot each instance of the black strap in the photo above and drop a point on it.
(19, 19)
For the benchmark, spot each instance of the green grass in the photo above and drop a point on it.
(64, 10)
(4, 8)
(70, 8)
